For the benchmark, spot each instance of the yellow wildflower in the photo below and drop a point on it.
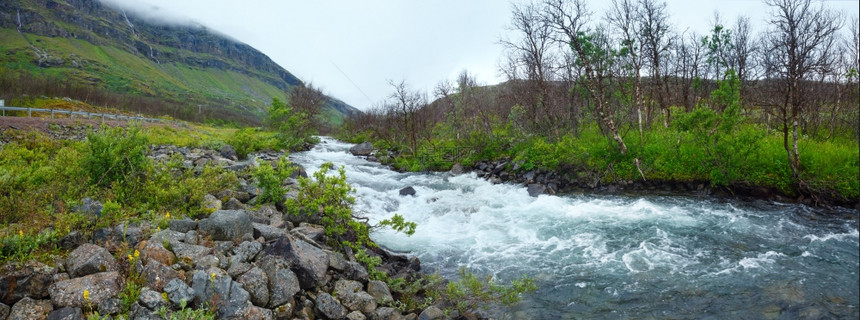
(21, 233)
(167, 215)
(136, 254)
(130, 258)
(87, 295)
(212, 277)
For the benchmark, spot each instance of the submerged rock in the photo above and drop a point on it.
(362, 149)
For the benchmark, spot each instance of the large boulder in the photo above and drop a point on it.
(457, 168)
(101, 286)
(156, 251)
(66, 313)
(536, 189)
(30, 280)
(177, 291)
(88, 259)
(307, 261)
(226, 225)
(379, 291)
(361, 149)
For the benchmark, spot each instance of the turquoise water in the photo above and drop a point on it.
(618, 257)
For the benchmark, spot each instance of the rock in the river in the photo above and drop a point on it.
(536, 189)
(226, 225)
(362, 149)
(101, 286)
(30, 280)
(88, 259)
(408, 191)
(457, 169)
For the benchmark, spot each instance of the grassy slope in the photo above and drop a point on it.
(117, 70)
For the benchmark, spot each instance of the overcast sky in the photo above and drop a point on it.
(350, 49)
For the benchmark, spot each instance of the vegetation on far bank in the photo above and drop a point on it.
(624, 97)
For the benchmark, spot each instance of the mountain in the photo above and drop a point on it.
(198, 73)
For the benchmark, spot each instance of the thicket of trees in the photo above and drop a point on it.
(629, 70)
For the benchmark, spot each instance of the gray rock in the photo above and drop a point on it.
(308, 262)
(535, 189)
(352, 297)
(110, 306)
(431, 313)
(387, 313)
(226, 225)
(228, 152)
(457, 169)
(29, 309)
(234, 204)
(71, 241)
(89, 207)
(208, 261)
(139, 312)
(336, 260)
(355, 315)
(311, 231)
(66, 313)
(252, 190)
(355, 271)
(256, 283)
(130, 233)
(268, 232)
(88, 259)
(191, 237)
(408, 191)
(151, 299)
(329, 306)
(4, 311)
(247, 250)
(30, 280)
(168, 236)
(283, 283)
(379, 291)
(157, 275)
(211, 203)
(237, 267)
(231, 297)
(362, 149)
(177, 291)
(189, 251)
(256, 313)
(242, 196)
(267, 214)
(101, 286)
(156, 251)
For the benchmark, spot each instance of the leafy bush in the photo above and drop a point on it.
(116, 155)
(271, 180)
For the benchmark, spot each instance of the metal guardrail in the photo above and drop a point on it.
(89, 115)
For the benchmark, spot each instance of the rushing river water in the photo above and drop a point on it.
(618, 257)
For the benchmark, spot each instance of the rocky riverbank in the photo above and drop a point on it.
(572, 180)
(243, 261)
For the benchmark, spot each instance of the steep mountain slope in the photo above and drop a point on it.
(87, 42)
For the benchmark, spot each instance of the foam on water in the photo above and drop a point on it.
(609, 247)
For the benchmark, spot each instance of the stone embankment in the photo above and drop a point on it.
(243, 261)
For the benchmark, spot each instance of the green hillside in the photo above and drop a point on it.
(84, 43)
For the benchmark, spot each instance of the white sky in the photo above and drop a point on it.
(350, 49)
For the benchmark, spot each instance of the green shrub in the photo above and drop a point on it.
(271, 180)
(470, 291)
(116, 155)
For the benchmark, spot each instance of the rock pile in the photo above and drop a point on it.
(239, 268)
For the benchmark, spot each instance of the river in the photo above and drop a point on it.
(617, 257)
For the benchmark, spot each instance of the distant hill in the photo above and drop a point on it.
(199, 73)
